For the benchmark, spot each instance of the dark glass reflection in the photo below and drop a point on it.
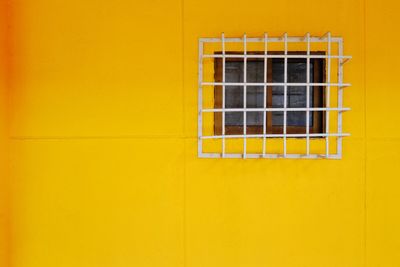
(234, 94)
(296, 95)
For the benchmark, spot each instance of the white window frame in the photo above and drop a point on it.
(326, 38)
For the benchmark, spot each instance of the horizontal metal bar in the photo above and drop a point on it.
(271, 156)
(344, 61)
(326, 36)
(277, 84)
(271, 109)
(273, 135)
(270, 40)
(273, 56)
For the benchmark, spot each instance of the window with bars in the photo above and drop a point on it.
(273, 94)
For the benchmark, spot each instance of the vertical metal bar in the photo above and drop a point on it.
(223, 94)
(265, 92)
(308, 95)
(340, 99)
(285, 95)
(244, 95)
(200, 102)
(328, 95)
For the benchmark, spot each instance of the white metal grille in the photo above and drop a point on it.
(327, 85)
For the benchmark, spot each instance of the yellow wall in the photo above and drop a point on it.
(382, 134)
(5, 74)
(103, 150)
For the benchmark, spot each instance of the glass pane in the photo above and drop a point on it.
(255, 94)
(234, 94)
(296, 95)
(234, 118)
(254, 118)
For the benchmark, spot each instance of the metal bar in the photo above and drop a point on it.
(244, 95)
(328, 94)
(308, 109)
(285, 75)
(272, 156)
(200, 101)
(275, 56)
(325, 36)
(346, 59)
(273, 135)
(343, 85)
(342, 109)
(223, 93)
(340, 100)
(295, 39)
(308, 97)
(265, 95)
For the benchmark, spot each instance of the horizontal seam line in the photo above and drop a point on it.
(92, 137)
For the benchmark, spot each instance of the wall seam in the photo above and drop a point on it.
(9, 76)
(184, 241)
(83, 137)
(365, 131)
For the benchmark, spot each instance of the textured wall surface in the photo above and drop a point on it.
(5, 76)
(99, 126)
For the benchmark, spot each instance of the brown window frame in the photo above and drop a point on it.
(318, 94)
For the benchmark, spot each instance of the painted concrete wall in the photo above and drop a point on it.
(5, 75)
(102, 125)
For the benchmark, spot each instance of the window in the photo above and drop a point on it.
(276, 94)
(296, 95)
